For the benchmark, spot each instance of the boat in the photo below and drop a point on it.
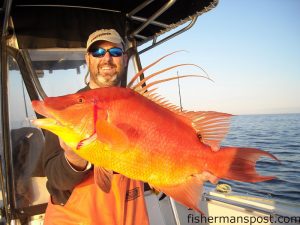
(224, 208)
(42, 54)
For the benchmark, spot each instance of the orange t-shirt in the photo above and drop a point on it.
(89, 205)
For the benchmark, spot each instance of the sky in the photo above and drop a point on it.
(251, 50)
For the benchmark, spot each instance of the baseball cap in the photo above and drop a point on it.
(110, 35)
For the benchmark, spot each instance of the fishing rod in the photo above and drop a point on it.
(179, 92)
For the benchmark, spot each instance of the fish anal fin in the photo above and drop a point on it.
(103, 178)
(110, 134)
(188, 193)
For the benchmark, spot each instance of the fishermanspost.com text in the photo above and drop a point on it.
(200, 219)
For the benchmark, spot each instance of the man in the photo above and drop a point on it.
(75, 198)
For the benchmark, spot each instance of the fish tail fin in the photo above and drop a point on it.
(239, 164)
(188, 194)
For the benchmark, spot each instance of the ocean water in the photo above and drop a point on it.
(279, 135)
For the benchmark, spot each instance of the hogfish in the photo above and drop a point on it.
(135, 133)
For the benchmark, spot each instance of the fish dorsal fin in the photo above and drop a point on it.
(147, 67)
(211, 127)
(141, 87)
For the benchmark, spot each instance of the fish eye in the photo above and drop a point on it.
(81, 100)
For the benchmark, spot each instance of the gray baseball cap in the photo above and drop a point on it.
(110, 35)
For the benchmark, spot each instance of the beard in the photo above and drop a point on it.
(107, 81)
(104, 78)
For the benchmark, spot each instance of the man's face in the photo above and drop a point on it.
(105, 71)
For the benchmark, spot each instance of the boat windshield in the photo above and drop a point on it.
(60, 71)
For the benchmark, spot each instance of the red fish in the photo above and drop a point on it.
(136, 134)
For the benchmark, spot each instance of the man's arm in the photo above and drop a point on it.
(75, 161)
(63, 175)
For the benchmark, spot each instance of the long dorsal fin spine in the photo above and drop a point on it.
(168, 79)
(147, 67)
(162, 71)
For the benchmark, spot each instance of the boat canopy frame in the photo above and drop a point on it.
(66, 24)
(72, 20)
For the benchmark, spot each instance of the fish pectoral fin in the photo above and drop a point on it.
(110, 134)
(103, 178)
(86, 141)
(188, 193)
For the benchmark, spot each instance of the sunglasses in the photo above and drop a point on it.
(100, 52)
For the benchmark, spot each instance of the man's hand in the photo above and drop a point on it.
(75, 161)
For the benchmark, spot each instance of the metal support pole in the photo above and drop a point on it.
(152, 18)
(174, 210)
(8, 196)
(193, 21)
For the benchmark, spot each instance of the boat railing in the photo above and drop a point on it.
(253, 206)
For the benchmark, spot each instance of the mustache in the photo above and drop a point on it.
(107, 64)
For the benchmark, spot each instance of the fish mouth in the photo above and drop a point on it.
(64, 132)
(50, 124)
